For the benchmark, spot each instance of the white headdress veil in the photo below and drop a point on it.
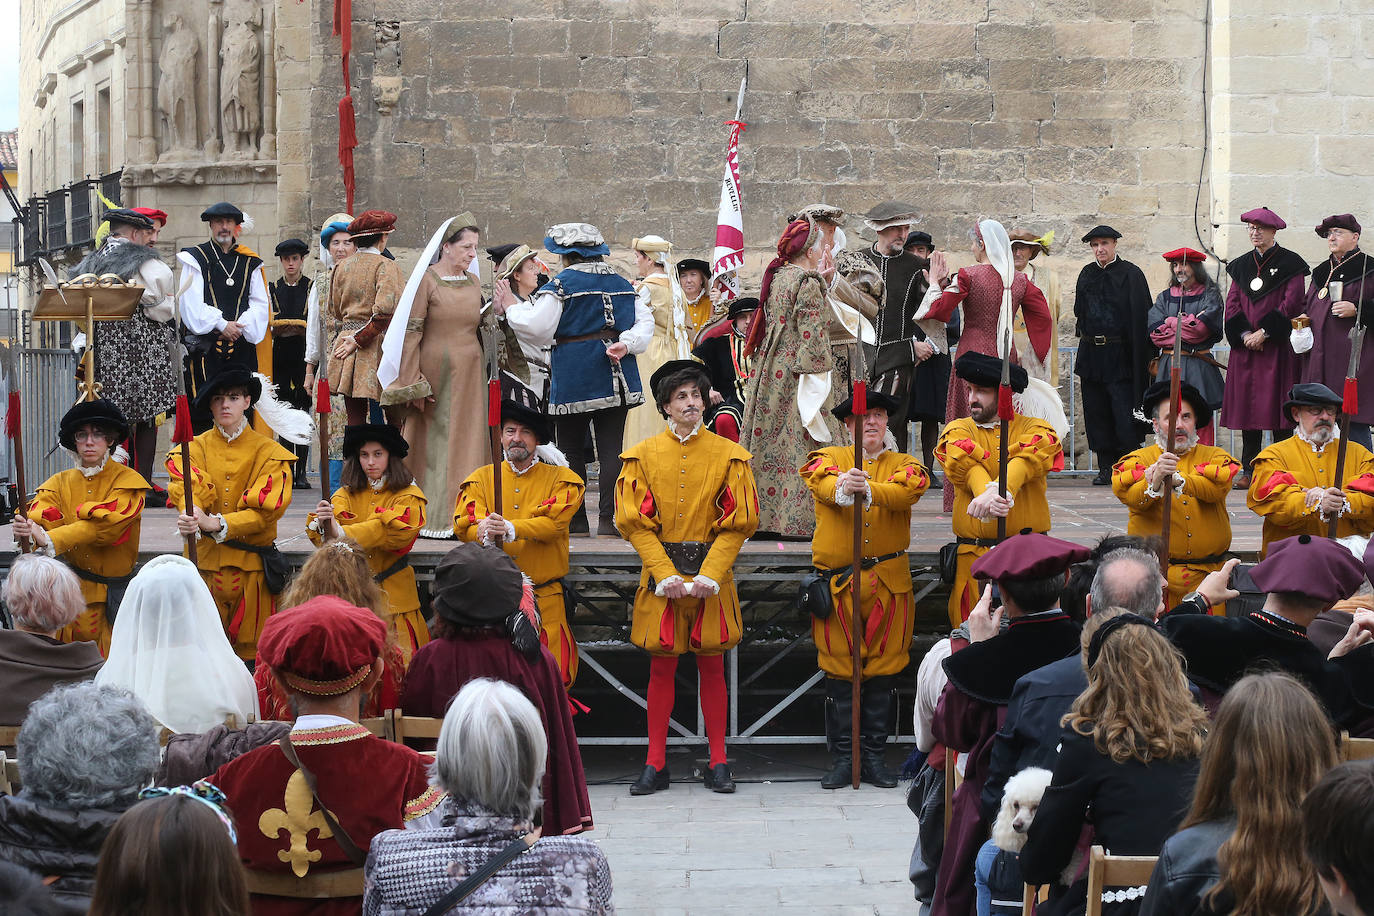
(389, 369)
(168, 647)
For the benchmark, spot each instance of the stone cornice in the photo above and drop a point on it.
(200, 173)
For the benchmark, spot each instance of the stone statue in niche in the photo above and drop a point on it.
(240, 78)
(177, 89)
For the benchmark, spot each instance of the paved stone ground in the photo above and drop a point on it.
(775, 846)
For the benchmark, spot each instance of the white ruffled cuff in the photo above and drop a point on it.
(845, 498)
(223, 533)
(1345, 507)
(710, 583)
(671, 580)
(508, 537)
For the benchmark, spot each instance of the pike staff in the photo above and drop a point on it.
(1175, 403)
(1350, 393)
(14, 431)
(182, 433)
(322, 406)
(494, 424)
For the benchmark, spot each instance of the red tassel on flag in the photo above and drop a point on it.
(860, 406)
(12, 416)
(1004, 409)
(494, 402)
(1350, 402)
(181, 432)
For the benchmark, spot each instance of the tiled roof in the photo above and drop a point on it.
(9, 149)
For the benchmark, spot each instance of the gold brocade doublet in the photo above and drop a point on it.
(1285, 471)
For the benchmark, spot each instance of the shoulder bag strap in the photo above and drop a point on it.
(350, 849)
(490, 867)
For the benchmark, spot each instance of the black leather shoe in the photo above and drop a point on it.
(873, 771)
(718, 779)
(650, 781)
(839, 775)
(1103, 479)
(578, 525)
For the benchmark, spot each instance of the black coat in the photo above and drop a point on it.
(1114, 301)
(58, 843)
(1133, 808)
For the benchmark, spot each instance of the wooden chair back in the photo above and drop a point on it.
(314, 886)
(1115, 871)
(379, 726)
(1033, 894)
(1351, 748)
(9, 735)
(402, 726)
(950, 786)
(10, 783)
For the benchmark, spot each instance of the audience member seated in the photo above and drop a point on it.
(1073, 597)
(486, 625)
(340, 569)
(85, 751)
(172, 855)
(168, 647)
(328, 655)
(1127, 762)
(491, 762)
(1338, 826)
(22, 893)
(43, 596)
(1269, 745)
(1332, 624)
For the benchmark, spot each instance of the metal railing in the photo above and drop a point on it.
(47, 381)
(65, 218)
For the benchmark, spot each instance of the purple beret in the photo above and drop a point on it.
(1345, 221)
(1263, 216)
(1318, 568)
(1029, 556)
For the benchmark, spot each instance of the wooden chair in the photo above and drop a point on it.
(380, 726)
(9, 775)
(314, 886)
(1115, 871)
(1034, 894)
(1351, 748)
(9, 735)
(950, 785)
(402, 726)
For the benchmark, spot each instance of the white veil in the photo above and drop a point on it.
(168, 647)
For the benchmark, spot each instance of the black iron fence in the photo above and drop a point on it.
(65, 219)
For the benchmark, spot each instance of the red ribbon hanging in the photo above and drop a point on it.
(12, 416)
(348, 124)
(860, 405)
(494, 402)
(322, 404)
(1350, 402)
(181, 431)
(1004, 409)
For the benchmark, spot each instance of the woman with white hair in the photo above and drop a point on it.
(658, 291)
(168, 647)
(43, 596)
(490, 760)
(85, 752)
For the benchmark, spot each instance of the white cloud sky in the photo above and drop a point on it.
(9, 65)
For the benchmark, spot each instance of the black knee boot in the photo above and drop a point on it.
(875, 723)
(839, 712)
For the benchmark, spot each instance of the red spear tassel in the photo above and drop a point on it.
(494, 402)
(1350, 402)
(860, 405)
(181, 432)
(1004, 410)
(12, 416)
(322, 396)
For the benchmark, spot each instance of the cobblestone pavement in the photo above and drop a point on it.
(772, 847)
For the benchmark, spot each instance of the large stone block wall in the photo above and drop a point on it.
(1059, 114)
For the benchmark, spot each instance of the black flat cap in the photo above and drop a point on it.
(743, 306)
(986, 371)
(98, 411)
(291, 246)
(230, 377)
(127, 217)
(658, 381)
(1159, 391)
(1311, 394)
(919, 238)
(875, 399)
(223, 209)
(384, 434)
(498, 253)
(1101, 232)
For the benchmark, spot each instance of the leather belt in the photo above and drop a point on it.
(1198, 561)
(982, 542)
(1100, 340)
(606, 334)
(865, 563)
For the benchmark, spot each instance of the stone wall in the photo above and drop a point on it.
(1058, 114)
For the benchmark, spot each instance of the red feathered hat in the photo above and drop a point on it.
(371, 222)
(325, 647)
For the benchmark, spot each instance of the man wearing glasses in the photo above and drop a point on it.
(1294, 484)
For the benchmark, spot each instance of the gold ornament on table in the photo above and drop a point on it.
(89, 298)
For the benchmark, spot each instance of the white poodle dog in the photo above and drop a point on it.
(1020, 799)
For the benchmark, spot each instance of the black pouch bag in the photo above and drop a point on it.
(949, 562)
(276, 568)
(813, 595)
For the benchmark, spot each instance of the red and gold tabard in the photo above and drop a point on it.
(368, 784)
(93, 523)
(385, 523)
(968, 453)
(247, 480)
(671, 491)
(539, 503)
(1199, 525)
(896, 481)
(1285, 471)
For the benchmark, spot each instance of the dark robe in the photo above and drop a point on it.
(440, 669)
(1113, 301)
(31, 665)
(1198, 369)
(923, 386)
(1329, 361)
(721, 350)
(1221, 650)
(971, 710)
(288, 306)
(1257, 381)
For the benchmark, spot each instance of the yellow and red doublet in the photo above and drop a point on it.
(896, 481)
(385, 524)
(1199, 525)
(280, 827)
(672, 491)
(93, 523)
(247, 481)
(539, 504)
(968, 453)
(1285, 471)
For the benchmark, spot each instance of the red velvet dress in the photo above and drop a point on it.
(368, 784)
(441, 668)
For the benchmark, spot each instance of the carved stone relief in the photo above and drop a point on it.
(177, 90)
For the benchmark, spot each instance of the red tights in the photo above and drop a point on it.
(710, 686)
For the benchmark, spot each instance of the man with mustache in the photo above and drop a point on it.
(1197, 478)
(686, 501)
(540, 496)
(1294, 482)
